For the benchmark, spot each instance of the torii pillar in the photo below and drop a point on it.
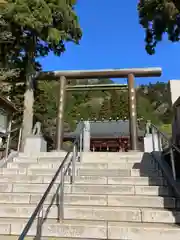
(60, 113)
(132, 113)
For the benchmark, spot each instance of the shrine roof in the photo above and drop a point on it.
(106, 128)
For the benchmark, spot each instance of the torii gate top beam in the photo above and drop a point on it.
(108, 73)
(96, 87)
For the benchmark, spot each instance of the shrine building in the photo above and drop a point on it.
(108, 135)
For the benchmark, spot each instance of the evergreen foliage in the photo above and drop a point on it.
(30, 29)
(158, 17)
(105, 111)
(111, 104)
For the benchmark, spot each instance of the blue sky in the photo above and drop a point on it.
(113, 38)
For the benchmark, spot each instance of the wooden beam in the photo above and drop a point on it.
(107, 73)
(96, 87)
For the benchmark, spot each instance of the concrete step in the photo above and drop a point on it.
(52, 229)
(97, 213)
(71, 199)
(159, 181)
(88, 189)
(88, 157)
(33, 165)
(49, 165)
(142, 181)
(53, 154)
(141, 201)
(113, 155)
(120, 172)
(38, 160)
(96, 200)
(86, 154)
(142, 231)
(112, 159)
(74, 212)
(15, 237)
(25, 171)
(86, 230)
(85, 172)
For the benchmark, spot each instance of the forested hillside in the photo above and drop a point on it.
(152, 104)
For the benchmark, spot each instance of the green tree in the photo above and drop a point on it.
(114, 105)
(145, 110)
(32, 29)
(158, 17)
(38, 27)
(105, 110)
(88, 111)
(157, 102)
(123, 106)
(119, 105)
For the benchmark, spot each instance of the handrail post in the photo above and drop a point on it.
(61, 212)
(19, 140)
(159, 142)
(8, 139)
(172, 163)
(80, 146)
(153, 139)
(148, 126)
(73, 164)
(39, 225)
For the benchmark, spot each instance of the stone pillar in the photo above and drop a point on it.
(34, 145)
(174, 100)
(60, 114)
(149, 146)
(86, 136)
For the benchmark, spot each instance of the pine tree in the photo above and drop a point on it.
(29, 30)
(105, 110)
(32, 29)
(114, 104)
(51, 23)
(119, 105)
(123, 105)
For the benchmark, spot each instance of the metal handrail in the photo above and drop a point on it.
(59, 194)
(9, 132)
(165, 137)
(160, 135)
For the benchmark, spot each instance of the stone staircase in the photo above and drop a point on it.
(115, 196)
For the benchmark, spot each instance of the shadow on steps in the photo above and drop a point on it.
(150, 168)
